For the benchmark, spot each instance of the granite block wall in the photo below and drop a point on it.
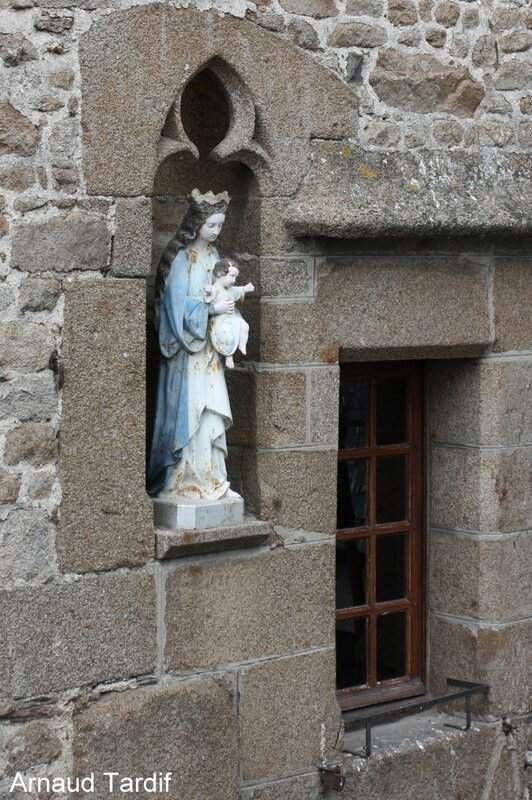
(415, 129)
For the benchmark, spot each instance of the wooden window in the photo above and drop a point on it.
(379, 559)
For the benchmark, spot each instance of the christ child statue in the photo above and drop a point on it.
(228, 332)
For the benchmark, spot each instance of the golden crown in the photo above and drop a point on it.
(209, 202)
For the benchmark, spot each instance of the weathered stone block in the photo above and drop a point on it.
(402, 12)
(62, 78)
(484, 654)
(73, 240)
(281, 408)
(224, 609)
(512, 298)
(447, 13)
(480, 490)
(517, 42)
(303, 34)
(16, 178)
(448, 132)
(443, 306)
(7, 296)
(269, 408)
(421, 757)
(357, 34)
(15, 49)
(63, 141)
(17, 134)
(9, 486)
(346, 194)
(41, 483)
(525, 134)
(132, 245)
(34, 743)
(318, 9)
(28, 397)
(304, 787)
(513, 75)
(290, 277)
(34, 442)
(25, 345)
(71, 633)
(54, 21)
(106, 517)
(297, 488)
(370, 8)
(381, 134)
(26, 547)
(504, 18)
(410, 37)
(189, 730)
(133, 35)
(39, 294)
(423, 84)
(289, 715)
(176, 544)
(324, 399)
(483, 579)
(484, 402)
(490, 133)
(484, 53)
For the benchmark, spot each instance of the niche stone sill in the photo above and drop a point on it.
(179, 543)
(420, 757)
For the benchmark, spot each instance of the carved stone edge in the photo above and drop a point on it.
(177, 544)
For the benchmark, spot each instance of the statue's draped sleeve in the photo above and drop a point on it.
(182, 330)
(182, 320)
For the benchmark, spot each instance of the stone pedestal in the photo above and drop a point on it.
(188, 514)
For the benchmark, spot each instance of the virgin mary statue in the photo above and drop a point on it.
(192, 409)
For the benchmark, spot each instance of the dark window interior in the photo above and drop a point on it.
(379, 561)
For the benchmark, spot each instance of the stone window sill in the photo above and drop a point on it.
(417, 732)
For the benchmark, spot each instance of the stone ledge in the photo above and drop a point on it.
(351, 193)
(176, 544)
(405, 751)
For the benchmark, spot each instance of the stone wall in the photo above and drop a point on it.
(109, 649)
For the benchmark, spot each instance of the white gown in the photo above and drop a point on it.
(201, 472)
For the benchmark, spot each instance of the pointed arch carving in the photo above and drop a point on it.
(239, 143)
(135, 65)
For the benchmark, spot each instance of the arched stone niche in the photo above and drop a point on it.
(139, 71)
(136, 64)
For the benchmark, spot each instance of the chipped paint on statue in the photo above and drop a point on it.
(192, 410)
(227, 332)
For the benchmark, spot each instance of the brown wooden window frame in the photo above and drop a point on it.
(411, 684)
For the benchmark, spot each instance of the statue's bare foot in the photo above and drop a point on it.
(230, 493)
(242, 348)
(229, 362)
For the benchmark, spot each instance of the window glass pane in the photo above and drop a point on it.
(391, 646)
(391, 489)
(391, 562)
(390, 410)
(352, 494)
(351, 653)
(351, 573)
(353, 413)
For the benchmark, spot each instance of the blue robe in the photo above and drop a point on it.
(183, 335)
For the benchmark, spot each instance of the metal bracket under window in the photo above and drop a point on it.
(380, 716)
(332, 778)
